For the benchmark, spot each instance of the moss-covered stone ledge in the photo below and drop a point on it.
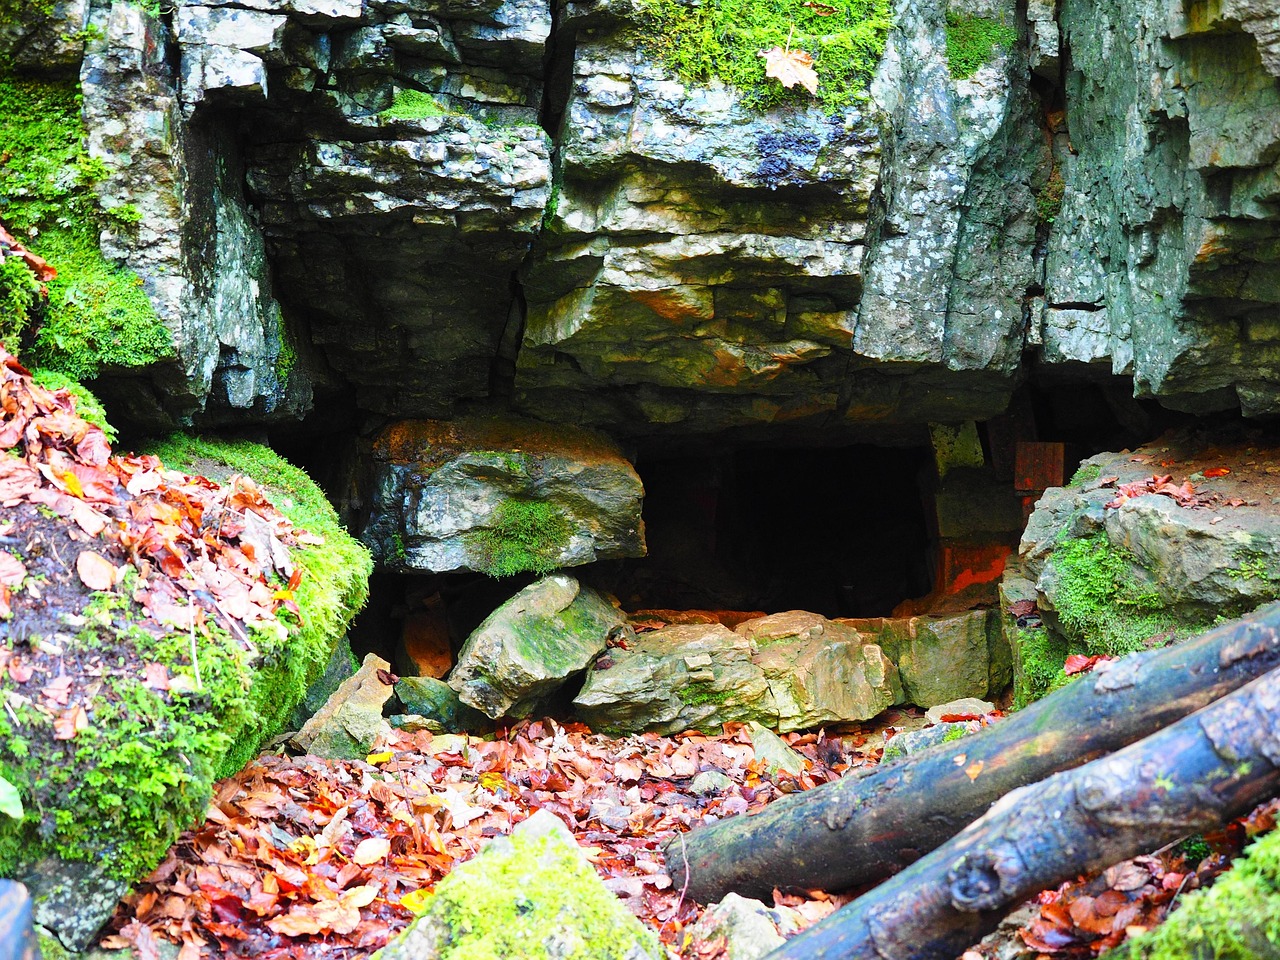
(1112, 567)
(103, 807)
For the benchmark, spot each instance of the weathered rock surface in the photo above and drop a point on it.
(498, 496)
(787, 672)
(349, 723)
(1150, 569)
(437, 704)
(530, 894)
(749, 930)
(530, 645)
(1164, 262)
(943, 658)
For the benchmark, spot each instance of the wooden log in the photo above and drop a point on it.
(860, 830)
(1193, 776)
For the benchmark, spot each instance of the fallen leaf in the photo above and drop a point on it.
(371, 850)
(58, 690)
(1217, 472)
(12, 570)
(156, 676)
(973, 769)
(96, 571)
(790, 67)
(70, 722)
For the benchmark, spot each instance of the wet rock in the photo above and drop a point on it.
(749, 929)
(499, 496)
(531, 645)
(437, 703)
(45, 43)
(17, 936)
(532, 893)
(71, 900)
(346, 727)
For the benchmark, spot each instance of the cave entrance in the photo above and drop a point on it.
(844, 532)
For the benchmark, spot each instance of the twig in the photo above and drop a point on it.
(195, 658)
(685, 888)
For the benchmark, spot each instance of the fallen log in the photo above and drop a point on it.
(1193, 776)
(860, 830)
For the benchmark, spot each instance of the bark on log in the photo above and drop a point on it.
(860, 830)
(1195, 775)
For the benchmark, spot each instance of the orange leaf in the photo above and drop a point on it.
(790, 67)
(96, 571)
(1217, 472)
(69, 723)
(973, 769)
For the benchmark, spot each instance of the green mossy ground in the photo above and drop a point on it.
(413, 105)
(122, 790)
(522, 536)
(1238, 918)
(722, 40)
(97, 315)
(973, 42)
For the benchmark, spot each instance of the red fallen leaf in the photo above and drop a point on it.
(96, 571)
(70, 722)
(1022, 608)
(1079, 663)
(58, 690)
(959, 717)
(1217, 472)
(388, 678)
(20, 671)
(12, 570)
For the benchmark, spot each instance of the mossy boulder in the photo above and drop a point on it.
(104, 806)
(500, 496)
(530, 896)
(531, 645)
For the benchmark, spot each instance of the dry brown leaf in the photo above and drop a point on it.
(372, 850)
(790, 67)
(70, 722)
(96, 571)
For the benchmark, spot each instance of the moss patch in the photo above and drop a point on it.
(1238, 918)
(972, 42)
(704, 692)
(335, 582)
(97, 315)
(1086, 474)
(522, 536)
(1040, 658)
(1100, 601)
(722, 40)
(413, 105)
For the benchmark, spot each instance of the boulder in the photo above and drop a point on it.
(532, 644)
(787, 671)
(437, 705)
(943, 658)
(1107, 565)
(346, 727)
(530, 894)
(500, 496)
(746, 928)
(820, 671)
(772, 751)
(684, 677)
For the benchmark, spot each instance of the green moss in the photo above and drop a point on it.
(494, 907)
(413, 105)
(1086, 474)
(972, 42)
(722, 40)
(704, 692)
(1100, 601)
(1038, 665)
(334, 586)
(1238, 918)
(88, 406)
(955, 733)
(19, 295)
(522, 535)
(97, 315)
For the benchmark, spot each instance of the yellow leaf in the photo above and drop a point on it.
(790, 67)
(377, 758)
(416, 900)
(73, 484)
(282, 595)
(494, 781)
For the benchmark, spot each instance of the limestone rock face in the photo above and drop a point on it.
(1163, 262)
(499, 496)
(351, 720)
(530, 645)
(530, 894)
